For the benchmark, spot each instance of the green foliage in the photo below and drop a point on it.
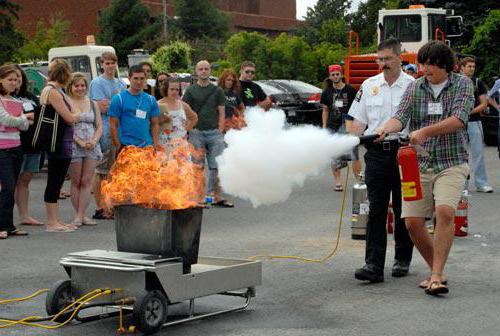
(325, 10)
(175, 57)
(248, 46)
(364, 20)
(10, 39)
(220, 65)
(197, 19)
(485, 46)
(125, 25)
(51, 34)
(326, 54)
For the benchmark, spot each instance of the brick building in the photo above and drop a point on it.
(266, 16)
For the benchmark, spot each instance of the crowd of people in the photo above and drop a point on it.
(96, 120)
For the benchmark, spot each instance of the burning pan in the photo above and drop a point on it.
(169, 233)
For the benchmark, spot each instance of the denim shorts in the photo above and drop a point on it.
(31, 163)
(211, 141)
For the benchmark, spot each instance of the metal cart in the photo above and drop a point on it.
(151, 283)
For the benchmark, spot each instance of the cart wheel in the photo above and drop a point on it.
(59, 297)
(150, 311)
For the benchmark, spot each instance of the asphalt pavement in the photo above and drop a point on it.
(296, 298)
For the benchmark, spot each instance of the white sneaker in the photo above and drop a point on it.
(485, 189)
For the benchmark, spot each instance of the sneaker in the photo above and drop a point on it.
(400, 269)
(370, 273)
(485, 189)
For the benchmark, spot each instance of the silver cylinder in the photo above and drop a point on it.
(360, 210)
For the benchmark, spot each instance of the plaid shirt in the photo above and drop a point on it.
(457, 100)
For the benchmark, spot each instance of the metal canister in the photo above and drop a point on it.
(360, 209)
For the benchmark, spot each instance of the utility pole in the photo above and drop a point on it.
(164, 4)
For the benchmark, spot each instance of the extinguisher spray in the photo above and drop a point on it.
(411, 188)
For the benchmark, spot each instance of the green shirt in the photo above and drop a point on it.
(455, 100)
(205, 101)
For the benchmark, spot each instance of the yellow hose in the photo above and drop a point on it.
(337, 242)
(81, 302)
(24, 298)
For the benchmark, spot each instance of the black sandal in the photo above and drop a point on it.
(17, 232)
(224, 204)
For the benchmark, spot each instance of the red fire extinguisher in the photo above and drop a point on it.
(390, 219)
(461, 218)
(410, 176)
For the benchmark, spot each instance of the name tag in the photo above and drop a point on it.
(339, 103)
(435, 109)
(27, 107)
(140, 114)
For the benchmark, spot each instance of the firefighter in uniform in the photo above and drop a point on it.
(376, 102)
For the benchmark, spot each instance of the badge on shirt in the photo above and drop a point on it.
(359, 94)
(339, 103)
(140, 114)
(374, 90)
(28, 107)
(435, 109)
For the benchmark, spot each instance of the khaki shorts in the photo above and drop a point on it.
(443, 188)
(107, 161)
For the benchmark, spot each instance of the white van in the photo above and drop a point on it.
(83, 58)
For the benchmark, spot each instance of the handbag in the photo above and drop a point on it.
(48, 129)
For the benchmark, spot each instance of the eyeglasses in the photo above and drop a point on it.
(250, 72)
(385, 59)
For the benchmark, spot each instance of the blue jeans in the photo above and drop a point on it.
(10, 166)
(475, 131)
(212, 142)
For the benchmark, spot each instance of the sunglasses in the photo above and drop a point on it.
(335, 74)
(250, 72)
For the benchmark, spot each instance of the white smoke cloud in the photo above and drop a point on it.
(264, 161)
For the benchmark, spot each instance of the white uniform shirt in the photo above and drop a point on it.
(377, 102)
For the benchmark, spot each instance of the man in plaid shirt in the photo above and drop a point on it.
(436, 107)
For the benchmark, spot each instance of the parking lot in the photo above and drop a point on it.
(296, 298)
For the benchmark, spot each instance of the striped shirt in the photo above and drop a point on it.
(12, 120)
(455, 100)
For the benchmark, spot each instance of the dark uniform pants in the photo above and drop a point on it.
(382, 178)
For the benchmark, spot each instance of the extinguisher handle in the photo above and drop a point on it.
(367, 138)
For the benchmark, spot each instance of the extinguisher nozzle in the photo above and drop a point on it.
(368, 138)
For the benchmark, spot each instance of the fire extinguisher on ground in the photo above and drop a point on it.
(390, 219)
(461, 220)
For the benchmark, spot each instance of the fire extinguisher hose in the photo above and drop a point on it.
(335, 245)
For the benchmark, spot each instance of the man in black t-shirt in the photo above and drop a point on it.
(251, 93)
(474, 127)
(336, 99)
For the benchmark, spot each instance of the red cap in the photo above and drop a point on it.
(334, 67)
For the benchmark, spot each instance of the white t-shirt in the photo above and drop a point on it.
(437, 88)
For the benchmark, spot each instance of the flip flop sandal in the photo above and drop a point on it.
(62, 229)
(425, 283)
(31, 224)
(338, 188)
(88, 221)
(224, 204)
(17, 232)
(436, 288)
(4, 235)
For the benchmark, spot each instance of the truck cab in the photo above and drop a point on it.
(413, 26)
(416, 26)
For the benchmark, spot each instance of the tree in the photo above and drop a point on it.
(51, 34)
(248, 46)
(364, 20)
(126, 25)
(175, 57)
(485, 45)
(200, 18)
(10, 39)
(325, 22)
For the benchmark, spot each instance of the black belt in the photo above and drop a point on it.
(384, 146)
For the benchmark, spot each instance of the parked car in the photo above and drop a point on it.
(299, 100)
(490, 123)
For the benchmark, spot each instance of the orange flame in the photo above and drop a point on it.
(169, 179)
(235, 122)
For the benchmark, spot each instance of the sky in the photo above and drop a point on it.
(303, 4)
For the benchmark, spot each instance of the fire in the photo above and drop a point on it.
(235, 122)
(170, 179)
